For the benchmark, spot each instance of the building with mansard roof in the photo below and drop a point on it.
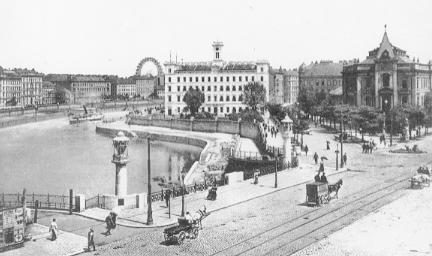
(222, 82)
(386, 78)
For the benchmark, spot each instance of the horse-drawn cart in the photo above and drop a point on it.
(318, 193)
(422, 178)
(184, 229)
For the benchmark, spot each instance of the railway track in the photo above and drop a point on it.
(288, 235)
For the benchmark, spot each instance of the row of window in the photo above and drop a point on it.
(215, 98)
(209, 88)
(215, 79)
(91, 89)
(323, 82)
(214, 110)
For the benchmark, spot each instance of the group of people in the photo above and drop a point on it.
(321, 177)
(368, 147)
(273, 130)
(53, 229)
(110, 221)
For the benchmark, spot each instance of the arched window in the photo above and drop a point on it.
(386, 80)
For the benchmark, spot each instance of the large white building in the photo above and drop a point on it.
(10, 89)
(221, 82)
(90, 89)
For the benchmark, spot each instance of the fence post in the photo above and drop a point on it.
(36, 206)
(70, 200)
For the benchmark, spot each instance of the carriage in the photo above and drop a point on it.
(318, 193)
(184, 229)
(422, 178)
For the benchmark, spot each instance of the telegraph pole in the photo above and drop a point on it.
(149, 208)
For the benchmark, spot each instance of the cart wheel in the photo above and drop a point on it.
(195, 233)
(181, 237)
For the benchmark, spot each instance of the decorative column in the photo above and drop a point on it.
(120, 159)
(395, 99)
(377, 99)
(358, 94)
(286, 135)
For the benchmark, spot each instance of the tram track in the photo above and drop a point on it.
(270, 235)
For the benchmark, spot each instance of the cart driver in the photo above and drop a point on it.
(324, 178)
(189, 218)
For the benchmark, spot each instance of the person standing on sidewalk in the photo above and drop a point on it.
(345, 158)
(306, 149)
(315, 157)
(90, 240)
(328, 145)
(53, 229)
(167, 197)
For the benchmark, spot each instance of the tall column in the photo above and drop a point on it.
(358, 83)
(121, 180)
(287, 148)
(377, 102)
(395, 99)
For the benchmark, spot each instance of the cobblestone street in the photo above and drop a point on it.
(230, 231)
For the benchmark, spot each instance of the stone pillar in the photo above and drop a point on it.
(121, 180)
(358, 99)
(287, 149)
(80, 203)
(395, 99)
(377, 102)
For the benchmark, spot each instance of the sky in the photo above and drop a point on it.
(111, 37)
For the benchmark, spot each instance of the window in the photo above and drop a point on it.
(262, 69)
(240, 78)
(227, 98)
(233, 78)
(221, 79)
(234, 88)
(221, 99)
(227, 88)
(404, 84)
(322, 83)
(178, 109)
(202, 88)
(215, 98)
(196, 79)
(227, 78)
(215, 88)
(246, 78)
(221, 109)
(215, 110)
(178, 79)
(208, 79)
(196, 88)
(178, 98)
(169, 88)
(215, 79)
(240, 109)
(253, 78)
(209, 88)
(184, 88)
(190, 79)
(227, 109)
(169, 98)
(202, 79)
(178, 88)
(386, 80)
(234, 98)
(208, 109)
(241, 98)
(169, 79)
(208, 99)
(221, 88)
(184, 79)
(262, 79)
(240, 87)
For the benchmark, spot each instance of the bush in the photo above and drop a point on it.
(251, 115)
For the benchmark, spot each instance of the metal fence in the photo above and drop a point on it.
(45, 201)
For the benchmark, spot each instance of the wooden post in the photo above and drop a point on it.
(70, 201)
(36, 206)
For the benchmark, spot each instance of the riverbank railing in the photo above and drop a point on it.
(44, 201)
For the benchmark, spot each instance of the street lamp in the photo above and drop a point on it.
(337, 156)
(276, 169)
(149, 208)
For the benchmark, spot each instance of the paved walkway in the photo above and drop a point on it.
(41, 244)
(226, 196)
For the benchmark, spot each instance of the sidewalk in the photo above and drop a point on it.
(226, 196)
(41, 244)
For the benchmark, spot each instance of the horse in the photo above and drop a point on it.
(335, 187)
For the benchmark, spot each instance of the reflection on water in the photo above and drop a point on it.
(53, 157)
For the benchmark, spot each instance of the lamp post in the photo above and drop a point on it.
(341, 142)
(149, 202)
(337, 156)
(182, 187)
(276, 167)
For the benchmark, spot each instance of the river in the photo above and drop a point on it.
(53, 157)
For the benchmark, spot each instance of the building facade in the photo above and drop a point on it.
(146, 85)
(221, 82)
(386, 78)
(90, 89)
(48, 93)
(323, 76)
(10, 89)
(126, 87)
(283, 86)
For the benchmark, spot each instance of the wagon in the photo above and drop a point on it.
(317, 193)
(184, 229)
(422, 178)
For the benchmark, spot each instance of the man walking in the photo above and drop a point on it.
(167, 197)
(306, 149)
(90, 240)
(53, 229)
(315, 157)
(345, 158)
(328, 145)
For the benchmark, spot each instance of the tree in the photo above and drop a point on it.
(60, 95)
(276, 111)
(193, 99)
(307, 101)
(254, 94)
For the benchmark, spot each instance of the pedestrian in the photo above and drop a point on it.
(90, 240)
(315, 157)
(53, 230)
(306, 149)
(328, 145)
(345, 158)
(109, 224)
(370, 147)
(167, 196)
(321, 168)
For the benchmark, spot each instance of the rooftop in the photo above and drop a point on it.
(323, 68)
(226, 66)
(90, 78)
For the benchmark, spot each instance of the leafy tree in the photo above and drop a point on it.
(307, 101)
(254, 94)
(60, 96)
(193, 99)
(276, 110)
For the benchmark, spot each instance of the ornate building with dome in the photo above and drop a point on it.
(386, 78)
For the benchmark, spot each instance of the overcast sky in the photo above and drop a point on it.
(111, 37)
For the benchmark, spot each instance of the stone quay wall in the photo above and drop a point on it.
(245, 129)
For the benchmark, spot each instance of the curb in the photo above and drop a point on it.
(210, 211)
